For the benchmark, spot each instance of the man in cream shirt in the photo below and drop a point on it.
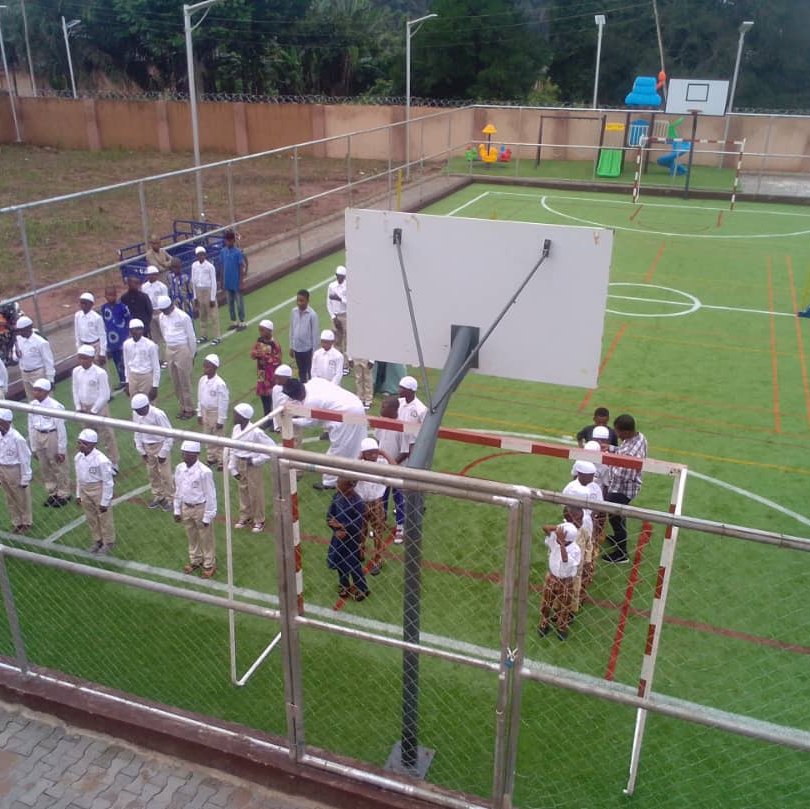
(35, 355)
(155, 450)
(181, 346)
(212, 405)
(94, 491)
(88, 327)
(15, 474)
(204, 284)
(141, 363)
(48, 440)
(91, 394)
(195, 506)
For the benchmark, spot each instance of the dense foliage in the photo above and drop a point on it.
(531, 50)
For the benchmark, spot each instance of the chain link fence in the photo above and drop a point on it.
(680, 678)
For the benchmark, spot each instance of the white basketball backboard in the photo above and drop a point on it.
(464, 272)
(706, 96)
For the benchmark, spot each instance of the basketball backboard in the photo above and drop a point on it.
(706, 96)
(463, 272)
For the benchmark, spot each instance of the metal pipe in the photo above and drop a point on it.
(29, 265)
(65, 31)
(8, 83)
(11, 615)
(408, 35)
(599, 19)
(28, 49)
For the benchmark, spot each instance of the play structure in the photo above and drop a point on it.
(487, 152)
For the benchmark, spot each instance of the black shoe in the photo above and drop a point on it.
(50, 502)
(59, 502)
(96, 547)
(321, 487)
(562, 634)
(542, 631)
(616, 558)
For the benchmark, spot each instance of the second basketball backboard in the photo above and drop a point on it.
(463, 272)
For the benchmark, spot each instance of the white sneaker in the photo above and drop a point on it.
(399, 535)
(258, 528)
(242, 524)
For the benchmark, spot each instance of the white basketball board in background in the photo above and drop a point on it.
(463, 272)
(707, 96)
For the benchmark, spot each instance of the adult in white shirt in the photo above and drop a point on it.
(15, 474)
(195, 506)
(372, 494)
(141, 362)
(155, 450)
(344, 437)
(88, 327)
(563, 560)
(212, 405)
(35, 355)
(327, 361)
(94, 491)
(3, 380)
(204, 288)
(246, 467)
(155, 289)
(181, 346)
(337, 306)
(91, 394)
(395, 445)
(47, 438)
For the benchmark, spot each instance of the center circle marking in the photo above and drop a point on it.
(687, 305)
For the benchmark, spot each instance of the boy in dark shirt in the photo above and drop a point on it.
(116, 322)
(601, 416)
(138, 303)
(345, 518)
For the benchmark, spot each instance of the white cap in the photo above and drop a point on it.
(213, 359)
(368, 444)
(327, 334)
(197, 251)
(409, 383)
(86, 351)
(88, 436)
(6, 415)
(136, 323)
(340, 270)
(139, 400)
(584, 468)
(571, 532)
(190, 446)
(283, 370)
(266, 324)
(164, 302)
(600, 431)
(594, 446)
(87, 296)
(152, 270)
(42, 384)
(24, 322)
(244, 410)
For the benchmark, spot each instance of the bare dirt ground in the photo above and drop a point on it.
(69, 238)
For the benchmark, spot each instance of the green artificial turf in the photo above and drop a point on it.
(722, 388)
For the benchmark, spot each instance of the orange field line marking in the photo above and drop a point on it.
(636, 212)
(653, 266)
(720, 219)
(777, 416)
(799, 339)
(605, 360)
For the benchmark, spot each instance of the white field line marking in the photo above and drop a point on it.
(470, 202)
(685, 303)
(73, 524)
(671, 234)
(737, 211)
(749, 495)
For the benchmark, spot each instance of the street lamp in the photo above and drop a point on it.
(28, 49)
(192, 93)
(8, 82)
(409, 24)
(745, 27)
(599, 19)
(67, 27)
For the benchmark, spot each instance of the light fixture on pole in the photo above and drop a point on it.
(409, 24)
(8, 83)
(599, 19)
(28, 49)
(745, 27)
(67, 27)
(192, 94)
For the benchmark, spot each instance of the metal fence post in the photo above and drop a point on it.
(144, 212)
(288, 605)
(390, 166)
(231, 206)
(297, 186)
(11, 614)
(349, 168)
(30, 265)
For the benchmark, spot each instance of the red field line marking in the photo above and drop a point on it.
(654, 265)
(605, 360)
(799, 339)
(632, 580)
(473, 464)
(636, 212)
(341, 602)
(777, 416)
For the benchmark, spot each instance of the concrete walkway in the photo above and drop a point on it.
(47, 765)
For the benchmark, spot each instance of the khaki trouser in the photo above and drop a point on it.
(139, 383)
(106, 435)
(374, 520)
(363, 381)
(209, 425)
(180, 360)
(2, 392)
(56, 476)
(208, 314)
(339, 325)
(200, 537)
(28, 378)
(585, 543)
(18, 499)
(251, 491)
(100, 523)
(160, 474)
(156, 335)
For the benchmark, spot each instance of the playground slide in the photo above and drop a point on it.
(610, 163)
(670, 161)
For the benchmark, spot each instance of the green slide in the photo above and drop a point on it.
(610, 163)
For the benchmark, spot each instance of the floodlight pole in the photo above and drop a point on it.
(28, 49)
(599, 19)
(8, 83)
(192, 95)
(66, 29)
(745, 27)
(409, 24)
